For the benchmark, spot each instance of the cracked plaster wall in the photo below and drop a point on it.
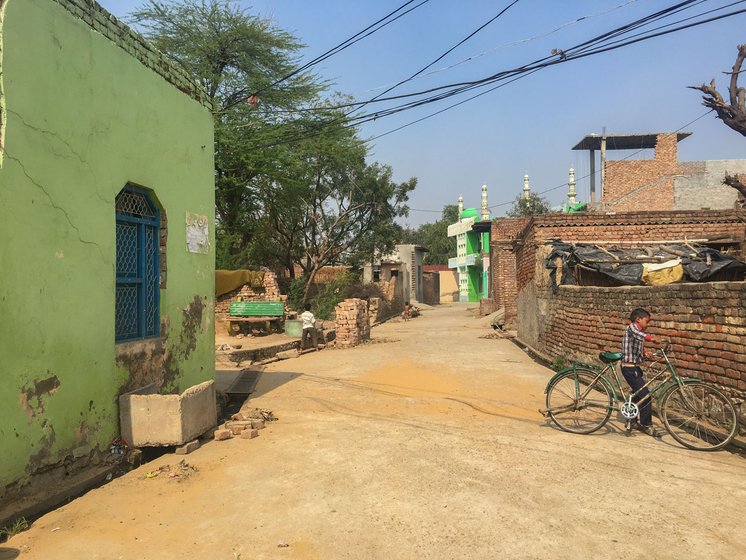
(86, 121)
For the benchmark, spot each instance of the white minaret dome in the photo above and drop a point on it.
(485, 208)
(571, 183)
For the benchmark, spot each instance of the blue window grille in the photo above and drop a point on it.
(138, 265)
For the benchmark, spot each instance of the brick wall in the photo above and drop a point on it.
(706, 323)
(270, 291)
(633, 184)
(503, 264)
(326, 274)
(514, 250)
(352, 324)
(103, 22)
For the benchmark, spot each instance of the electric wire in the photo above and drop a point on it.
(578, 179)
(534, 66)
(531, 70)
(360, 35)
(442, 56)
(518, 42)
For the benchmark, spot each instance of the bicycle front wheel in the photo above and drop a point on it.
(699, 416)
(580, 401)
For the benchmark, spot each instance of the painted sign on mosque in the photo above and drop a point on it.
(197, 233)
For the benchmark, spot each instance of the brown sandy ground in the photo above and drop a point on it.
(426, 443)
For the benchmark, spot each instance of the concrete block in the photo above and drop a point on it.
(149, 419)
(257, 424)
(188, 448)
(236, 430)
(249, 434)
(220, 435)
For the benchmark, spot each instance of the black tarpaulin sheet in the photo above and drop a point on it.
(626, 264)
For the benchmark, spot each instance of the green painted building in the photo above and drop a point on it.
(106, 234)
(472, 260)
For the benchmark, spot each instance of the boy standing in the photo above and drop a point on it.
(633, 354)
(309, 327)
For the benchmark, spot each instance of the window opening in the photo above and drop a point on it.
(138, 265)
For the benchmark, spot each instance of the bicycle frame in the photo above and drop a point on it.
(581, 399)
(668, 370)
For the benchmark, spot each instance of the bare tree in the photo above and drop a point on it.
(732, 114)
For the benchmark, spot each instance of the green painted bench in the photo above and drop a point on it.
(265, 312)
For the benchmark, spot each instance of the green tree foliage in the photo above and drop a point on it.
(233, 54)
(530, 206)
(434, 236)
(291, 181)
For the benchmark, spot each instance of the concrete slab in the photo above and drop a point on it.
(149, 419)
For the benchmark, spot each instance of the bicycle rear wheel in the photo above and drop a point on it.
(579, 401)
(699, 416)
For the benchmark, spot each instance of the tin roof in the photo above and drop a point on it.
(624, 141)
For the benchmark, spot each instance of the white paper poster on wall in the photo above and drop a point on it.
(197, 233)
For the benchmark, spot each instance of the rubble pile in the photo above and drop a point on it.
(245, 424)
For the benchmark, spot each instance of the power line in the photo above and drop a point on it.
(529, 69)
(597, 172)
(521, 41)
(582, 49)
(556, 58)
(443, 55)
(360, 35)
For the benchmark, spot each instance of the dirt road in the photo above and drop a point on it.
(426, 443)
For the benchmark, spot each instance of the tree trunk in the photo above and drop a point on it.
(309, 282)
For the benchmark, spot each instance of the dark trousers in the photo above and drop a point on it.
(308, 333)
(633, 375)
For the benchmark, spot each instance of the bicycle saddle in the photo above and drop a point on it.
(609, 357)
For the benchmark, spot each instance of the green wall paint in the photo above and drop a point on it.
(84, 118)
(486, 271)
(474, 273)
(472, 242)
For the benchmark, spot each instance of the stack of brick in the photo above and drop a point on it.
(352, 325)
(271, 287)
(373, 307)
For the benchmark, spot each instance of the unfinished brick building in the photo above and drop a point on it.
(706, 321)
(661, 183)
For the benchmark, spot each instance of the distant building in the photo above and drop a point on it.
(406, 262)
(472, 260)
(661, 183)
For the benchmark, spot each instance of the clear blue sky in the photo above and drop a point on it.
(528, 126)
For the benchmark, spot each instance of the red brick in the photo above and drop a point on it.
(187, 447)
(222, 434)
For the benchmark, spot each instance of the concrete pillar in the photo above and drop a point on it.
(603, 165)
(593, 176)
